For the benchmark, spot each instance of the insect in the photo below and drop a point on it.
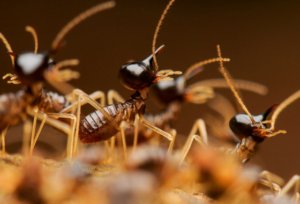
(249, 129)
(173, 94)
(32, 69)
(106, 122)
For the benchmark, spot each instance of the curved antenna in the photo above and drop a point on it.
(223, 71)
(282, 106)
(100, 7)
(35, 38)
(240, 84)
(198, 64)
(8, 47)
(156, 32)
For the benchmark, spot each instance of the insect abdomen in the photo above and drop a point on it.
(96, 128)
(12, 105)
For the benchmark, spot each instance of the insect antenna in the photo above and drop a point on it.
(240, 84)
(198, 64)
(223, 71)
(8, 47)
(35, 37)
(156, 32)
(282, 106)
(100, 7)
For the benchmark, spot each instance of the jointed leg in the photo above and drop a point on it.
(173, 132)
(27, 128)
(72, 140)
(293, 182)
(202, 139)
(35, 137)
(122, 126)
(112, 96)
(96, 95)
(271, 181)
(69, 130)
(159, 131)
(3, 139)
(136, 132)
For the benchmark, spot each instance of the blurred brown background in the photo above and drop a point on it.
(260, 37)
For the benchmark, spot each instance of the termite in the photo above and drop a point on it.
(249, 129)
(32, 68)
(252, 129)
(173, 94)
(106, 122)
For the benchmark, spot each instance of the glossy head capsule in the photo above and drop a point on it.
(242, 126)
(166, 92)
(138, 75)
(30, 67)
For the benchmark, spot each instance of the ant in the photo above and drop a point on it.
(32, 68)
(249, 129)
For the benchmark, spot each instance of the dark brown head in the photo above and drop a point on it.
(242, 126)
(30, 67)
(138, 75)
(165, 92)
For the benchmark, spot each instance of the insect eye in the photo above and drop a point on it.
(30, 67)
(136, 75)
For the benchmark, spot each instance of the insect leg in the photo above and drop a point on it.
(3, 139)
(173, 132)
(271, 181)
(35, 137)
(293, 182)
(71, 148)
(136, 132)
(202, 139)
(159, 131)
(27, 128)
(96, 95)
(112, 96)
(68, 129)
(122, 126)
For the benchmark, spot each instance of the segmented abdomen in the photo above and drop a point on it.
(96, 128)
(12, 105)
(50, 102)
